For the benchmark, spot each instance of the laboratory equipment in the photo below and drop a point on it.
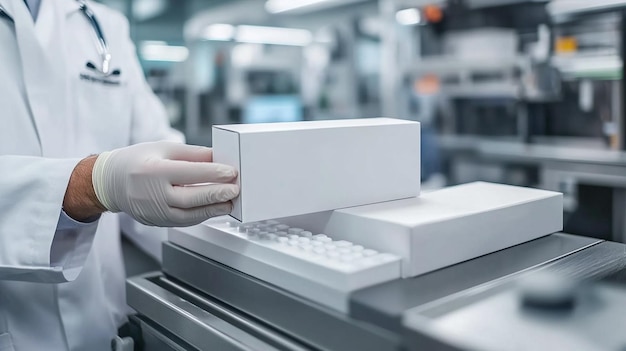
(364, 246)
(311, 265)
(198, 303)
(273, 108)
(566, 315)
(315, 279)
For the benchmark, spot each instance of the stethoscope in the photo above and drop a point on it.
(101, 43)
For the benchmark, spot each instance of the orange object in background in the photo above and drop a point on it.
(427, 85)
(565, 45)
(433, 13)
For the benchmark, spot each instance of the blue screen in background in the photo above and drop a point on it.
(273, 108)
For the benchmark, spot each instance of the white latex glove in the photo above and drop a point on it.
(164, 184)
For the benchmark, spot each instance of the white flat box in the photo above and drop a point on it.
(322, 273)
(445, 227)
(288, 169)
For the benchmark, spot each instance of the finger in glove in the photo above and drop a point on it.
(185, 197)
(197, 215)
(186, 173)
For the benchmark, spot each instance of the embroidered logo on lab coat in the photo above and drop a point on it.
(104, 81)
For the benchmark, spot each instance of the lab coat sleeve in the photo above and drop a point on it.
(35, 244)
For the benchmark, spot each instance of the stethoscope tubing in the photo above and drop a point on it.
(103, 48)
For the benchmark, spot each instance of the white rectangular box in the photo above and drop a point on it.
(445, 227)
(288, 169)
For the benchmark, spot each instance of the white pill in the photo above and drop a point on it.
(357, 255)
(357, 248)
(347, 258)
(317, 236)
(306, 234)
(293, 237)
(369, 252)
(271, 236)
(281, 233)
(293, 243)
(271, 230)
(330, 247)
(282, 240)
(272, 222)
(343, 243)
(282, 227)
(378, 258)
(317, 243)
(295, 230)
(344, 251)
(304, 240)
(324, 240)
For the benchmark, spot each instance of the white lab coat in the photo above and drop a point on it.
(50, 118)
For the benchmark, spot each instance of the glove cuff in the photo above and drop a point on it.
(99, 180)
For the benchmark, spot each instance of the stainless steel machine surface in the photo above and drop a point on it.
(200, 304)
(541, 311)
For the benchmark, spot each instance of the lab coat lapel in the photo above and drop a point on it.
(7, 6)
(43, 74)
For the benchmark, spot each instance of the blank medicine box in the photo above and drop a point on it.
(447, 226)
(288, 169)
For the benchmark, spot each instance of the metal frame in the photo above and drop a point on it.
(563, 11)
(198, 327)
(602, 262)
(385, 304)
(306, 321)
(621, 124)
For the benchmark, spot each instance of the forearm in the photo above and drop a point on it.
(80, 201)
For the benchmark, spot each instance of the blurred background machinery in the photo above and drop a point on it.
(525, 92)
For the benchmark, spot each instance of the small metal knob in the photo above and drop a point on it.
(548, 291)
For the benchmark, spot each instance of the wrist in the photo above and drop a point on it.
(80, 201)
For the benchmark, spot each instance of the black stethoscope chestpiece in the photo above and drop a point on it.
(92, 67)
(103, 48)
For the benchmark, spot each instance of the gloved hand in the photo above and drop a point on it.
(164, 184)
